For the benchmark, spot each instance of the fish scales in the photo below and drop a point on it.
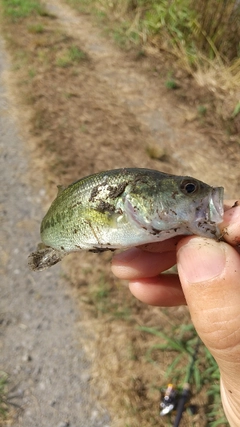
(127, 207)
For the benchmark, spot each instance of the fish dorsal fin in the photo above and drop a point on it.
(61, 188)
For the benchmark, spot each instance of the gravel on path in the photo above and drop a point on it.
(39, 318)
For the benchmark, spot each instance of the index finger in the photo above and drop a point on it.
(136, 263)
(230, 226)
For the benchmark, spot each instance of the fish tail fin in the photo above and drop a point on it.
(44, 257)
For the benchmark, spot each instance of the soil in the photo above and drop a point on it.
(111, 110)
(47, 369)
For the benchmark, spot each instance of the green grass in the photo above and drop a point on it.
(3, 396)
(19, 9)
(171, 84)
(71, 56)
(202, 35)
(236, 110)
(76, 54)
(183, 341)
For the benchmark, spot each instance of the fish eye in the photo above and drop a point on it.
(189, 187)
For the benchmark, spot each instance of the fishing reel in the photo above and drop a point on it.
(173, 399)
(169, 400)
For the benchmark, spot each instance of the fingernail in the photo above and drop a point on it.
(201, 260)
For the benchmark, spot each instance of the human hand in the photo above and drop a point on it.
(208, 281)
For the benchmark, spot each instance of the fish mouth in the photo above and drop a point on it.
(216, 209)
(210, 214)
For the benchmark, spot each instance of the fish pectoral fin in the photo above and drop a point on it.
(43, 258)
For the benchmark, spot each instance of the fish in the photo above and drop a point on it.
(123, 208)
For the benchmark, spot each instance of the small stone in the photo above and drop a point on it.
(64, 424)
(27, 358)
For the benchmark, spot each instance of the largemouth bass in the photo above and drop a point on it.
(123, 208)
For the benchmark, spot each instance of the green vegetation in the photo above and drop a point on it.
(202, 35)
(202, 110)
(101, 297)
(18, 9)
(76, 54)
(3, 398)
(236, 110)
(204, 372)
(171, 84)
(72, 55)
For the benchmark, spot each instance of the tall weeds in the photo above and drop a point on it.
(219, 21)
(204, 35)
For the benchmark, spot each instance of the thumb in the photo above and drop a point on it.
(210, 275)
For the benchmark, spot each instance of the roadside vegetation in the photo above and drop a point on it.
(5, 411)
(135, 359)
(3, 383)
(203, 36)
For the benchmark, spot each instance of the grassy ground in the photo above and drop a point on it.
(137, 361)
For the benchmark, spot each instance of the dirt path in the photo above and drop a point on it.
(40, 322)
(148, 100)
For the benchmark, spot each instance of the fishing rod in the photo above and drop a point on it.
(171, 400)
(186, 388)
